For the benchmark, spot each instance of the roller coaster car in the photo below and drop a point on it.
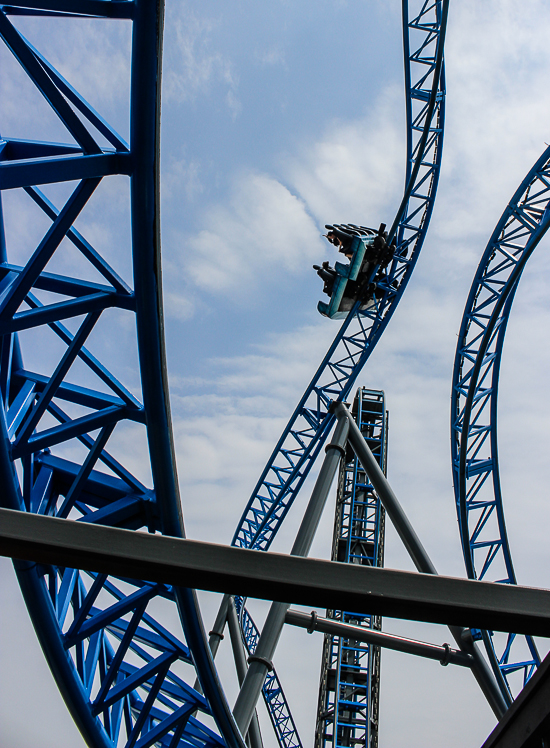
(366, 249)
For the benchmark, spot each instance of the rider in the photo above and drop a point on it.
(378, 253)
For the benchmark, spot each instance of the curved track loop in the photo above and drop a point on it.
(123, 675)
(303, 437)
(474, 405)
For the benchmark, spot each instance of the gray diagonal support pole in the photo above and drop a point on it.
(260, 662)
(418, 554)
(216, 635)
(254, 735)
(382, 487)
(443, 653)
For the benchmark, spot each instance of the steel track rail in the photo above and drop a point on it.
(125, 677)
(303, 437)
(474, 445)
(272, 691)
(297, 449)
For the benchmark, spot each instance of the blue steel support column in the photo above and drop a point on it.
(145, 190)
(349, 688)
(419, 556)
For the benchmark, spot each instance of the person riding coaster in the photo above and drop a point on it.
(366, 249)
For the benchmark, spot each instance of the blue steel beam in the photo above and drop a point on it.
(303, 437)
(24, 55)
(474, 445)
(117, 667)
(349, 690)
(63, 169)
(272, 691)
(95, 8)
(299, 445)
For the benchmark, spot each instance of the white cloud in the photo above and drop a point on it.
(177, 306)
(223, 438)
(262, 229)
(355, 171)
(177, 175)
(272, 56)
(497, 111)
(264, 226)
(191, 67)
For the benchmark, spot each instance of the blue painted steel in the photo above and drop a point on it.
(145, 710)
(303, 437)
(272, 691)
(297, 449)
(350, 671)
(125, 677)
(474, 406)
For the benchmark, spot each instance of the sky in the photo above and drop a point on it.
(277, 119)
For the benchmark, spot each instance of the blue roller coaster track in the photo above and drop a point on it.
(124, 676)
(300, 443)
(474, 407)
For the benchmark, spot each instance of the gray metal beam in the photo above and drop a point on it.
(275, 576)
(254, 737)
(498, 700)
(260, 663)
(440, 652)
(216, 634)
(381, 485)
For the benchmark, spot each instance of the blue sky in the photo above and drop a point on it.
(260, 88)
(276, 120)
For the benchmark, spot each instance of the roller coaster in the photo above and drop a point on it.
(127, 679)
